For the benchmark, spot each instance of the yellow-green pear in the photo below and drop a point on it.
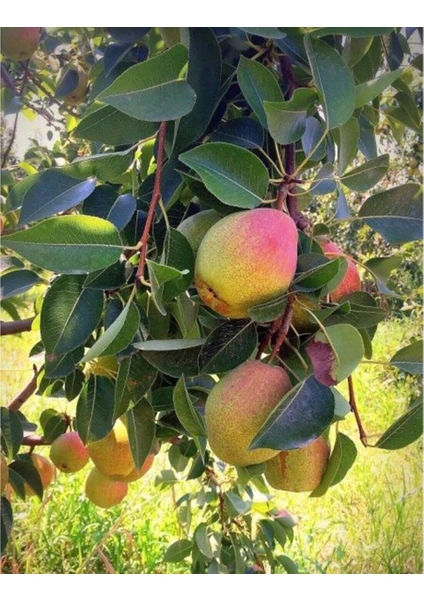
(299, 470)
(238, 406)
(104, 492)
(46, 470)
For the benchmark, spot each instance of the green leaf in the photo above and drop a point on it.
(173, 357)
(336, 353)
(228, 346)
(110, 278)
(350, 31)
(11, 432)
(285, 126)
(258, 84)
(269, 311)
(17, 282)
(334, 81)
(235, 505)
(341, 406)
(410, 358)
(313, 143)
(69, 314)
(363, 312)
(74, 384)
(355, 49)
(6, 522)
(266, 32)
(315, 271)
(341, 460)
(54, 427)
(178, 551)
(404, 431)
(25, 470)
(154, 89)
(367, 175)
(202, 540)
(68, 244)
(242, 131)
(141, 431)
(63, 365)
(17, 194)
(53, 192)
(300, 417)
(134, 379)
(367, 91)
(187, 414)
(159, 275)
(288, 565)
(233, 174)
(94, 413)
(177, 253)
(204, 76)
(118, 336)
(106, 167)
(109, 126)
(348, 144)
(395, 214)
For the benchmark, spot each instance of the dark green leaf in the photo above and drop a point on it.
(73, 384)
(334, 81)
(410, 358)
(367, 175)
(311, 139)
(177, 253)
(315, 271)
(63, 365)
(17, 194)
(69, 314)
(186, 412)
(26, 471)
(17, 282)
(53, 192)
(106, 167)
(122, 210)
(395, 214)
(68, 244)
(134, 379)
(128, 35)
(54, 427)
(300, 417)
(348, 143)
(109, 126)
(324, 181)
(11, 432)
(228, 346)
(235, 505)
(242, 131)
(173, 357)
(94, 414)
(258, 84)
(341, 460)
(6, 522)
(153, 90)
(265, 32)
(202, 540)
(367, 91)
(269, 310)
(233, 174)
(350, 31)
(404, 431)
(118, 335)
(285, 126)
(110, 278)
(178, 551)
(141, 431)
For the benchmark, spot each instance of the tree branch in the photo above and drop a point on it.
(352, 401)
(15, 124)
(8, 80)
(34, 440)
(284, 328)
(26, 393)
(12, 327)
(156, 196)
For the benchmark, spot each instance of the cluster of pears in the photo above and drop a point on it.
(242, 260)
(107, 483)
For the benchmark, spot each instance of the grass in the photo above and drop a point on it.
(370, 523)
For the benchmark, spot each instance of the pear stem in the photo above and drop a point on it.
(352, 401)
(156, 197)
(283, 329)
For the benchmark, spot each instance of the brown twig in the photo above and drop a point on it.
(352, 401)
(34, 440)
(26, 393)
(284, 328)
(12, 327)
(156, 196)
(275, 325)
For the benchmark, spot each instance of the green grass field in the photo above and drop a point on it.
(370, 523)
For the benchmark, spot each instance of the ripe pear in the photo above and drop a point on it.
(113, 458)
(238, 406)
(299, 470)
(19, 43)
(245, 259)
(46, 470)
(104, 492)
(77, 94)
(351, 281)
(4, 474)
(195, 227)
(68, 453)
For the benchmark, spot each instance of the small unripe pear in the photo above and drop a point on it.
(19, 43)
(68, 453)
(196, 227)
(104, 492)
(4, 474)
(238, 406)
(245, 259)
(351, 281)
(46, 470)
(113, 457)
(299, 470)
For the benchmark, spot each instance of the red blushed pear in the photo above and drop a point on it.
(351, 281)
(246, 259)
(19, 43)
